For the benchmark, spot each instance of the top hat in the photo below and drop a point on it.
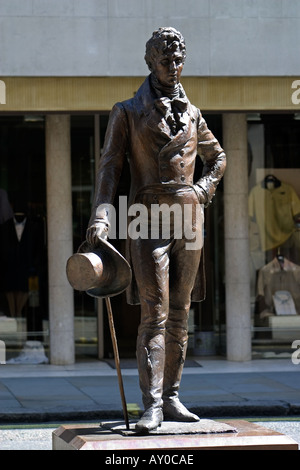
(99, 270)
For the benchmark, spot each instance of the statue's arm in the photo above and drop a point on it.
(214, 160)
(109, 172)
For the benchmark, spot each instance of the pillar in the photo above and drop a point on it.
(60, 244)
(236, 233)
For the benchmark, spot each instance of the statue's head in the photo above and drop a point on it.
(164, 41)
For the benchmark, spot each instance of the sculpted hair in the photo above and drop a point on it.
(164, 41)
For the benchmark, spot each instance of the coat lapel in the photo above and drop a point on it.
(183, 136)
(144, 105)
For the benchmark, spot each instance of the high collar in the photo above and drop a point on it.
(160, 90)
(146, 95)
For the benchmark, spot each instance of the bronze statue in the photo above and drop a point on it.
(160, 132)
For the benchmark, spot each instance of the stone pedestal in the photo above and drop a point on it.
(210, 435)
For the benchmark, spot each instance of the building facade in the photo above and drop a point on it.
(63, 65)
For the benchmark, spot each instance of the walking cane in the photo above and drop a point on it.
(117, 359)
(85, 269)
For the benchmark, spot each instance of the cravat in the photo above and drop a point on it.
(172, 110)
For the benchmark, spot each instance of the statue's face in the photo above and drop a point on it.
(168, 67)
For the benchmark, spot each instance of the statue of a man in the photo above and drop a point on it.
(160, 133)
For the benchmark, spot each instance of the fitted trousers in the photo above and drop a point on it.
(165, 272)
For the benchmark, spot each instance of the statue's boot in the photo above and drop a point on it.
(151, 370)
(173, 409)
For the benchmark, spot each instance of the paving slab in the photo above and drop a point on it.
(219, 388)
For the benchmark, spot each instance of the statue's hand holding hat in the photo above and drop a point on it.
(98, 268)
(99, 225)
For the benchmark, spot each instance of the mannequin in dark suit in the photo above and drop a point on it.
(21, 244)
(160, 132)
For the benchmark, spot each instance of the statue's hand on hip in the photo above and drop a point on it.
(202, 196)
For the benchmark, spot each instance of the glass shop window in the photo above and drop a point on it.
(23, 243)
(85, 133)
(83, 172)
(274, 224)
(207, 328)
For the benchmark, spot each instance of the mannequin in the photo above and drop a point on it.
(271, 182)
(16, 302)
(274, 206)
(20, 249)
(17, 293)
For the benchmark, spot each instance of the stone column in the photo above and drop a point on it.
(60, 240)
(237, 272)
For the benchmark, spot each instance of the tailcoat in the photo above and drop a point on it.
(138, 130)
